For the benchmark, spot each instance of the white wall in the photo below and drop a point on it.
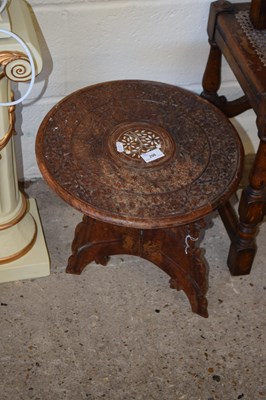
(91, 41)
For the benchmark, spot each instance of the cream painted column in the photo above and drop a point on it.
(17, 227)
(23, 252)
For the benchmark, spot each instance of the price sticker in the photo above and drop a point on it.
(119, 147)
(152, 155)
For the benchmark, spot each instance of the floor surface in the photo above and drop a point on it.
(120, 333)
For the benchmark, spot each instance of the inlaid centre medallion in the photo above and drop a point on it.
(136, 142)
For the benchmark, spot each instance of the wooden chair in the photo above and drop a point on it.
(238, 32)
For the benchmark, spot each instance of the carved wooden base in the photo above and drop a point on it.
(172, 249)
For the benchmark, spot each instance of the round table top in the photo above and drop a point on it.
(91, 148)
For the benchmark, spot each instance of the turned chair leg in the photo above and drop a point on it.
(252, 209)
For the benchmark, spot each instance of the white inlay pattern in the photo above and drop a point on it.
(139, 141)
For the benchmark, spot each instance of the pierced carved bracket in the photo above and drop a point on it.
(14, 65)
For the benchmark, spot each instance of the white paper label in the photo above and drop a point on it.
(152, 155)
(119, 147)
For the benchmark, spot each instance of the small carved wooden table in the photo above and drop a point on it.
(90, 150)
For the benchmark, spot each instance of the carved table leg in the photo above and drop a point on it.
(173, 250)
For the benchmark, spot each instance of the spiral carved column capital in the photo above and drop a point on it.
(15, 66)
